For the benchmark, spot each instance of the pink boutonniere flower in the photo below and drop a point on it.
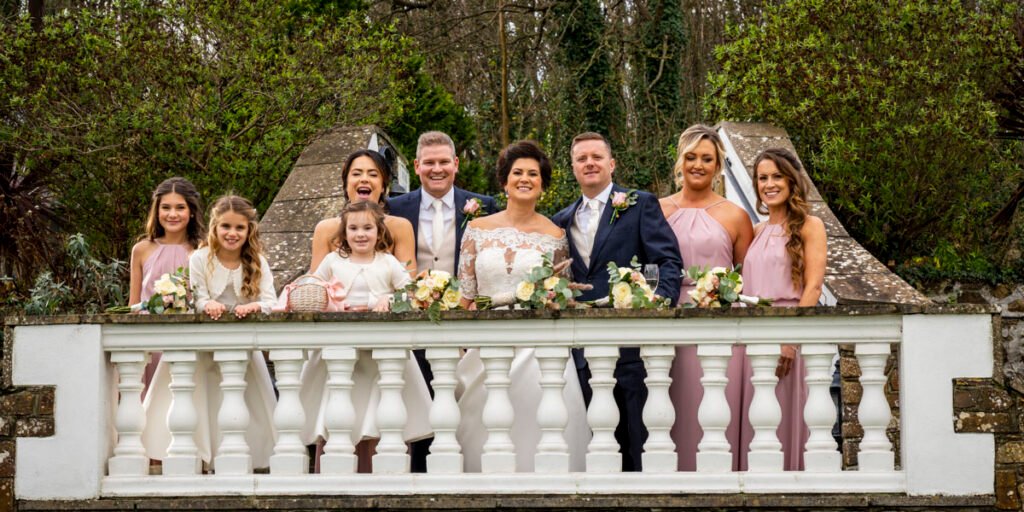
(471, 210)
(621, 201)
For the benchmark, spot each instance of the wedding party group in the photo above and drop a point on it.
(378, 245)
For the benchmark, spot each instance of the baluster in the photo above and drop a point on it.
(182, 455)
(391, 454)
(290, 456)
(552, 451)
(875, 449)
(819, 412)
(339, 453)
(498, 452)
(233, 456)
(765, 412)
(603, 414)
(445, 453)
(129, 455)
(659, 414)
(713, 451)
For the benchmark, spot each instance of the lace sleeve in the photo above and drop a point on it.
(467, 264)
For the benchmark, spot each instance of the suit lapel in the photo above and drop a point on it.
(413, 206)
(460, 201)
(603, 229)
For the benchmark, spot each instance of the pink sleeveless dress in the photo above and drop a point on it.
(165, 260)
(767, 273)
(703, 242)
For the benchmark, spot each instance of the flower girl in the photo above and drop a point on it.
(370, 275)
(227, 274)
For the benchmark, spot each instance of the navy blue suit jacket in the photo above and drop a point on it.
(408, 206)
(641, 230)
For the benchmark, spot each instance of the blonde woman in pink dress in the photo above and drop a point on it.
(785, 262)
(712, 232)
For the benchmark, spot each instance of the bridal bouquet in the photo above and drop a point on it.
(432, 291)
(720, 288)
(545, 288)
(171, 294)
(629, 290)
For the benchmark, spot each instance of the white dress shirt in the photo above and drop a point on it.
(426, 227)
(583, 212)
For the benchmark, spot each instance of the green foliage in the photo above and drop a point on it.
(887, 104)
(91, 285)
(106, 102)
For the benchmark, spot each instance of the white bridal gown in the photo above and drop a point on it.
(492, 263)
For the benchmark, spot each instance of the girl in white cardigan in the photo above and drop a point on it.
(363, 262)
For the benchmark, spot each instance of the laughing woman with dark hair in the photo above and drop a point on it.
(366, 176)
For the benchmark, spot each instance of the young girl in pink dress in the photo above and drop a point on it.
(174, 229)
(712, 232)
(786, 262)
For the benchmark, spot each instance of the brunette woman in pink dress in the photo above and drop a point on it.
(174, 228)
(712, 232)
(786, 262)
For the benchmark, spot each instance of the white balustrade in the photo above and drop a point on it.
(445, 452)
(391, 454)
(552, 451)
(129, 454)
(182, 455)
(713, 455)
(499, 454)
(765, 412)
(820, 413)
(290, 456)
(603, 414)
(875, 449)
(233, 456)
(339, 452)
(659, 414)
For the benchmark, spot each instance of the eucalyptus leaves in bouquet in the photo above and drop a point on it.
(719, 287)
(545, 288)
(432, 291)
(627, 288)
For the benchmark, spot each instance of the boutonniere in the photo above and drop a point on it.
(621, 201)
(472, 209)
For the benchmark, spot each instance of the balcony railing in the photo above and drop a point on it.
(98, 450)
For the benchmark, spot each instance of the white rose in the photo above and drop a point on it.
(718, 270)
(164, 285)
(451, 299)
(624, 271)
(551, 282)
(708, 285)
(441, 278)
(622, 295)
(524, 290)
(422, 293)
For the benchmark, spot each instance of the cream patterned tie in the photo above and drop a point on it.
(437, 233)
(593, 219)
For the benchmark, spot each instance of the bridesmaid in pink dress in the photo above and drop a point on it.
(712, 232)
(786, 262)
(173, 230)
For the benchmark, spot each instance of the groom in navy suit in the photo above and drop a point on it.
(595, 239)
(437, 211)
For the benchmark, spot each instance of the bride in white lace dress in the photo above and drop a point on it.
(497, 252)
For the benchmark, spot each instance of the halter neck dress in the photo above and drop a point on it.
(767, 273)
(165, 259)
(703, 242)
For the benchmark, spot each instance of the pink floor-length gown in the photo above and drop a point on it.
(767, 273)
(166, 259)
(703, 242)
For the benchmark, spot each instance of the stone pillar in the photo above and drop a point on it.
(713, 452)
(391, 454)
(603, 415)
(182, 455)
(499, 453)
(129, 455)
(233, 456)
(659, 414)
(552, 451)
(290, 456)
(339, 453)
(445, 453)
(820, 412)
(765, 413)
(875, 449)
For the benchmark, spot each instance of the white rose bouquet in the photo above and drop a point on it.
(627, 288)
(545, 288)
(171, 294)
(719, 287)
(432, 291)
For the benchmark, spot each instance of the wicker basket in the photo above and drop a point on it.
(309, 295)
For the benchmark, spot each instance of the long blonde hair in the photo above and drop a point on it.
(797, 208)
(251, 250)
(688, 141)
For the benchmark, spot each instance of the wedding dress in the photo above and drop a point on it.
(492, 263)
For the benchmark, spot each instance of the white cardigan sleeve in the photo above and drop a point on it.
(198, 279)
(268, 297)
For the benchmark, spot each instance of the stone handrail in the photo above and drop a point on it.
(102, 357)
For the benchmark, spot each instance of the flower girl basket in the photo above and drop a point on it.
(311, 294)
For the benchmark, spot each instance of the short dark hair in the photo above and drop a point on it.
(523, 149)
(382, 165)
(590, 136)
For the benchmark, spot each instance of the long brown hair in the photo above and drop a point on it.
(196, 227)
(797, 208)
(252, 270)
(385, 243)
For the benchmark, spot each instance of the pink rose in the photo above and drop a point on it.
(619, 199)
(472, 207)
